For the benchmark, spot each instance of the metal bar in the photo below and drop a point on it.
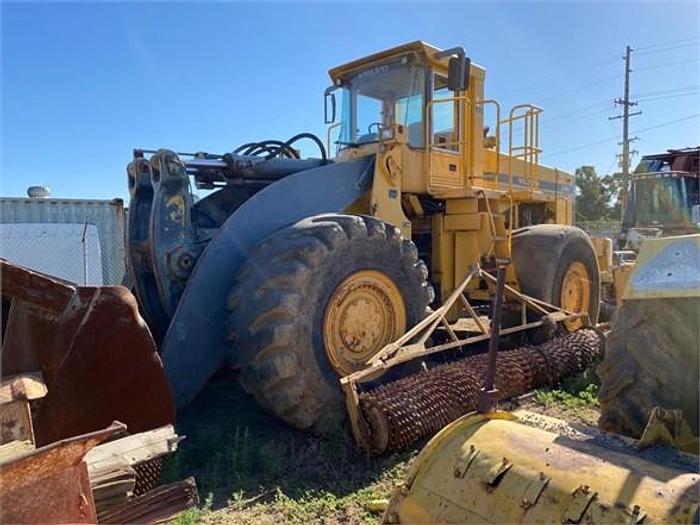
(525, 298)
(328, 136)
(410, 352)
(473, 314)
(83, 241)
(487, 397)
(447, 326)
(433, 318)
(427, 333)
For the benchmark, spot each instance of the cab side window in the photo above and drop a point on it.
(445, 127)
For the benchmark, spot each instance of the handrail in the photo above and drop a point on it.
(463, 127)
(530, 149)
(328, 136)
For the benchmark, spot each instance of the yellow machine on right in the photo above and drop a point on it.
(641, 466)
(662, 200)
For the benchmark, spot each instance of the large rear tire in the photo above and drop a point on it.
(313, 302)
(651, 360)
(558, 264)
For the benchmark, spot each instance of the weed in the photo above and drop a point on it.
(194, 515)
(262, 471)
(569, 397)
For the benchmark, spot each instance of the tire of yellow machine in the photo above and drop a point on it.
(651, 360)
(548, 256)
(312, 303)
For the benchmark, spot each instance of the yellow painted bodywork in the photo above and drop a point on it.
(484, 189)
(668, 267)
(621, 275)
(505, 468)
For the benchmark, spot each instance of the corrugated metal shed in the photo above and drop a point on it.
(107, 215)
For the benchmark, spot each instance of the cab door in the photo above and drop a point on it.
(445, 163)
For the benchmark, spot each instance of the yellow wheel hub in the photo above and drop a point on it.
(365, 312)
(576, 292)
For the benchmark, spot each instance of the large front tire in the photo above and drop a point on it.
(313, 302)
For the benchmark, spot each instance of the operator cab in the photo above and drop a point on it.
(392, 89)
(377, 98)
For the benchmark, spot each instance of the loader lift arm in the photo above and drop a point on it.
(194, 343)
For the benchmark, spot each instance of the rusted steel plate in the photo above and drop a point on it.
(51, 484)
(96, 353)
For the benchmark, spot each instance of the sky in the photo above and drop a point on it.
(84, 84)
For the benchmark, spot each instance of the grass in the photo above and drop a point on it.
(572, 401)
(194, 516)
(575, 398)
(255, 469)
(252, 469)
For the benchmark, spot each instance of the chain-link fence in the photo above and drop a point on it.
(601, 228)
(107, 216)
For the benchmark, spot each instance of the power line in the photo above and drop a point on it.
(608, 139)
(664, 97)
(549, 124)
(668, 43)
(646, 49)
(582, 146)
(668, 91)
(682, 119)
(583, 109)
(667, 49)
(528, 88)
(579, 88)
(668, 64)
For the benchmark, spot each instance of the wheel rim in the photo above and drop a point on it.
(576, 293)
(365, 312)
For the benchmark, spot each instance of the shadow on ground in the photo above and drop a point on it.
(237, 451)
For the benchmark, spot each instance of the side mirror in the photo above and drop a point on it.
(329, 105)
(458, 73)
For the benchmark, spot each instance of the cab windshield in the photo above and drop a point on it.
(657, 201)
(379, 97)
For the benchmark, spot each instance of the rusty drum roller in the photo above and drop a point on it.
(416, 406)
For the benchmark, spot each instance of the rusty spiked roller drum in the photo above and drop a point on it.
(403, 411)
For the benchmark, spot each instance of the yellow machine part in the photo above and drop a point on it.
(666, 268)
(529, 468)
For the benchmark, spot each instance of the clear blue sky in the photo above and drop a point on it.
(83, 84)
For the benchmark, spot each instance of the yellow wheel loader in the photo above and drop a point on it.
(300, 272)
(523, 467)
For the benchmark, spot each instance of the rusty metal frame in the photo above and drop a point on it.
(403, 350)
(51, 484)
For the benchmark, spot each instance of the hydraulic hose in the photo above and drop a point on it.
(275, 148)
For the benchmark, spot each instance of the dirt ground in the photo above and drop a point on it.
(252, 469)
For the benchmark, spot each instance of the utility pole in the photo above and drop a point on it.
(626, 103)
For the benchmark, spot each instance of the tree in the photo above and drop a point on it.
(592, 197)
(613, 188)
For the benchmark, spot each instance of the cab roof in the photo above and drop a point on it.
(424, 49)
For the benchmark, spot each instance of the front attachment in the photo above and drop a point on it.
(387, 416)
